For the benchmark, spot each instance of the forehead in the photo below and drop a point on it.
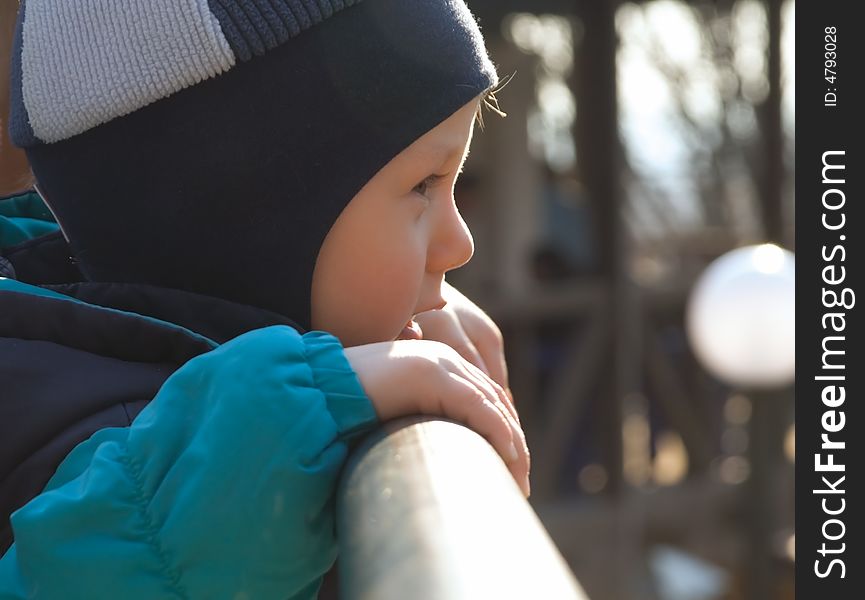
(450, 137)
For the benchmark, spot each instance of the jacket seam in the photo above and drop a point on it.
(171, 573)
(45, 238)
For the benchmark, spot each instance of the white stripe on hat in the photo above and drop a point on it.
(123, 59)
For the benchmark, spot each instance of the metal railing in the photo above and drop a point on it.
(427, 510)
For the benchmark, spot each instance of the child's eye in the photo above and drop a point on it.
(423, 187)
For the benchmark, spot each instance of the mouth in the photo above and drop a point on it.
(411, 331)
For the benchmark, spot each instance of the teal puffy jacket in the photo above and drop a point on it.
(222, 486)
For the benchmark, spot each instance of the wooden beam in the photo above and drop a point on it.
(569, 398)
(599, 158)
(772, 205)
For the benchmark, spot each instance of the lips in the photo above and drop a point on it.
(411, 331)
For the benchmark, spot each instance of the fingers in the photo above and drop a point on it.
(501, 394)
(443, 383)
(444, 326)
(481, 331)
(467, 350)
(491, 350)
(521, 466)
(503, 402)
(483, 412)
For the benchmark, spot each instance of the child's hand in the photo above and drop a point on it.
(424, 377)
(462, 325)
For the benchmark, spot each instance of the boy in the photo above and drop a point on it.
(259, 195)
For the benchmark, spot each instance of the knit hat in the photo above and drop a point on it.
(209, 145)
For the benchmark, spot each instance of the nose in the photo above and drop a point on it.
(451, 245)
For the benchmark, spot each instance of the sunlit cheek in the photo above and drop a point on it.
(402, 270)
(387, 278)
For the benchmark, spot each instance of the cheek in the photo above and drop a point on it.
(377, 281)
(391, 268)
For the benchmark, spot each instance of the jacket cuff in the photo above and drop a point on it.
(346, 400)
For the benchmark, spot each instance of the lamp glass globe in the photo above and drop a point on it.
(741, 317)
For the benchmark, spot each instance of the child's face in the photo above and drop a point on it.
(385, 257)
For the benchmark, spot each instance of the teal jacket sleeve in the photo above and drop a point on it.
(221, 488)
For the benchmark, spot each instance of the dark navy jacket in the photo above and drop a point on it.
(108, 365)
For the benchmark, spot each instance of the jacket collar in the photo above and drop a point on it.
(214, 318)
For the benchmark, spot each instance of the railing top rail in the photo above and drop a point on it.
(427, 510)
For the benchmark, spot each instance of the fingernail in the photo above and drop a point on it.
(512, 453)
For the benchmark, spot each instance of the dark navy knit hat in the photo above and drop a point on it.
(209, 145)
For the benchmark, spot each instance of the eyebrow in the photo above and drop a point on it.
(444, 154)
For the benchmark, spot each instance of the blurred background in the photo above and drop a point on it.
(643, 140)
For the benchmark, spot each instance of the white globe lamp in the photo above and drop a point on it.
(741, 315)
(740, 320)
